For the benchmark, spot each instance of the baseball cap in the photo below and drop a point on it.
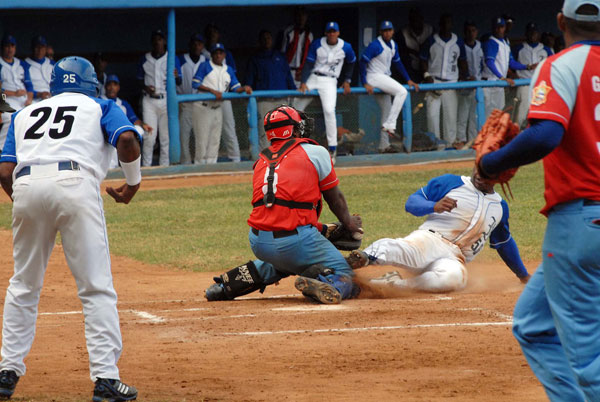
(217, 46)
(8, 39)
(112, 78)
(498, 22)
(508, 18)
(570, 10)
(470, 23)
(197, 37)
(531, 26)
(158, 32)
(39, 41)
(386, 25)
(332, 26)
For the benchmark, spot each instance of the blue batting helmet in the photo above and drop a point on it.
(74, 74)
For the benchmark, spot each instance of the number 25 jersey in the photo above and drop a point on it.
(67, 127)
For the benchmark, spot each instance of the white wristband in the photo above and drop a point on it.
(132, 171)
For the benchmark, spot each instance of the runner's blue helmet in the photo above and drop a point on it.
(74, 74)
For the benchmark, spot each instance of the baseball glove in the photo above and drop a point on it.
(341, 237)
(497, 131)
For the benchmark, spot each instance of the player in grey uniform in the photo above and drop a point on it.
(189, 64)
(462, 214)
(56, 154)
(466, 129)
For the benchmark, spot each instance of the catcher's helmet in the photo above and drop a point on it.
(281, 122)
(74, 74)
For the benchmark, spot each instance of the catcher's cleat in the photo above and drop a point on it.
(317, 290)
(357, 259)
(389, 278)
(107, 390)
(215, 292)
(8, 382)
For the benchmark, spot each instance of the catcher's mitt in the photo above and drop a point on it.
(341, 237)
(497, 131)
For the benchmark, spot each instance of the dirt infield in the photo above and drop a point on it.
(278, 346)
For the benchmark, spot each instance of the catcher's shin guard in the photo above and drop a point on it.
(237, 282)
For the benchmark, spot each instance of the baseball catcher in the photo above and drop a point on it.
(290, 177)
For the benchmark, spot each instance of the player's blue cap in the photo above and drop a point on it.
(498, 22)
(158, 32)
(386, 25)
(531, 26)
(112, 78)
(197, 37)
(8, 39)
(332, 26)
(570, 10)
(217, 46)
(39, 41)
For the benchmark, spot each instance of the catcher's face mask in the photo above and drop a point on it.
(306, 125)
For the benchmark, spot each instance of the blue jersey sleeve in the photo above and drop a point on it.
(461, 47)
(130, 113)
(490, 50)
(549, 51)
(201, 72)
(373, 50)
(27, 77)
(349, 52)
(501, 234)
(9, 152)
(311, 56)
(140, 69)
(178, 79)
(505, 245)
(423, 200)
(113, 121)
(234, 84)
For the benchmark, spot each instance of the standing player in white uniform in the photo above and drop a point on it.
(327, 58)
(462, 214)
(56, 154)
(497, 59)
(40, 69)
(16, 83)
(443, 60)
(530, 52)
(466, 129)
(152, 71)
(375, 72)
(189, 65)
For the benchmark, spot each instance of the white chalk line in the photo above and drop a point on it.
(487, 310)
(363, 329)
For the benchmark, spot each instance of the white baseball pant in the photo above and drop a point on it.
(265, 106)
(229, 135)
(467, 116)
(494, 98)
(523, 109)
(447, 101)
(392, 87)
(186, 130)
(327, 88)
(437, 263)
(385, 104)
(155, 115)
(47, 201)
(208, 122)
(17, 103)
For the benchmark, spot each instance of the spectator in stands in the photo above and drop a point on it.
(328, 58)
(152, 73)
(295, 43)
(16, 83)
(497, 59)
(467, 107)
(443, 60)
(228, 134)
(216, 77)
(410, 39)
(268, 70)
(100, 64)
(113, 86)
(40, 68)
(189, 65)
(530, 52)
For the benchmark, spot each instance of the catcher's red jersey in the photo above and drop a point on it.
(302, 174)
(566, 89)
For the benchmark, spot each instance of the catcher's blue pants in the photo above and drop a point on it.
(557, 317)
(291, 255)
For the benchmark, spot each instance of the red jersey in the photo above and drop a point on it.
(566, 89)
(301, 175)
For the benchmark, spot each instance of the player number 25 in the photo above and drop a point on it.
(69, 78)
(55, 132)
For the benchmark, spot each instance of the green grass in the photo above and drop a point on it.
(204, 229)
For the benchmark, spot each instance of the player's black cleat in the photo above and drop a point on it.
(319, 291)
(8, 382)
(215, 292)
(107, 390)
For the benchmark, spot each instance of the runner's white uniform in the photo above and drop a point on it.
(69, 127)
(186, 115)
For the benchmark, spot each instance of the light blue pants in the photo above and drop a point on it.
(557, 317)
(280, 258)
